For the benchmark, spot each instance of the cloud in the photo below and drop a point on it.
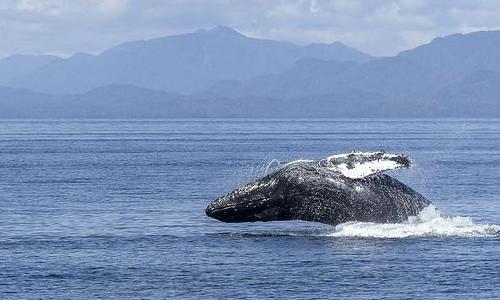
(379, 27)
(111, 7)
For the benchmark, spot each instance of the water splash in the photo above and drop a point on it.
(429, 223)
(273, 165)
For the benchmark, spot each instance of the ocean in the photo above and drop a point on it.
(114, 209)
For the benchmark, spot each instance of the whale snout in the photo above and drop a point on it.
(219, 211)
(257, 201)
(231, 210)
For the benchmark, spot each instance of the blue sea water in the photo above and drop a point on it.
(104, 209)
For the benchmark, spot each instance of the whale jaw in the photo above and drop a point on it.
(261, 200)
(248, 213)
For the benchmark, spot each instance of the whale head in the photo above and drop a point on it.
(261, 200)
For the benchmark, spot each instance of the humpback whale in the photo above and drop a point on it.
(341, 188)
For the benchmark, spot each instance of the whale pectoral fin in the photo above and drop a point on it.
(361, 164)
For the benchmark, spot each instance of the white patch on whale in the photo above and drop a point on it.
(361, 164)
(360, 170)
(358, 164)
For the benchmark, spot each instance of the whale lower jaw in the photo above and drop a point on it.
(230, 215)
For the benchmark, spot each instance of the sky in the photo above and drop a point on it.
(378, 27)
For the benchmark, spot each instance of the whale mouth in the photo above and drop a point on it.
(253, 202)
(219, 212)
(234, 212)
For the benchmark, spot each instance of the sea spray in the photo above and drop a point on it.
(428, 223)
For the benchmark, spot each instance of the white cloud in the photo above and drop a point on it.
(50, 8)
(111, 7)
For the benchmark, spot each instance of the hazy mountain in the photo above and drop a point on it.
(16, 66)
(458, 54)
(117, 101)
(182, 63)
(471, 98)
(429, 67)
(306, 77)
(18, 103)
(123, 101)
(454, 76)
(477, 95)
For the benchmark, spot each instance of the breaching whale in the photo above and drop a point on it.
(338, 189)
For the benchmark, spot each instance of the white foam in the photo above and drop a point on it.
(429, 222)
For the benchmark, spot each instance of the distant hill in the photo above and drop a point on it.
(18, 103)
(442, 62)
(116, 101)
(183, 63)
(470, 99)
(453, 76)
(17, 66)
(125, 101)
(307, 77)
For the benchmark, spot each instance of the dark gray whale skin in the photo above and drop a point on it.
(306, 191)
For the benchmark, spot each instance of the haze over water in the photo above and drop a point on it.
(113, 209)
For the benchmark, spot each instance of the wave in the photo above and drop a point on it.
(429, 223)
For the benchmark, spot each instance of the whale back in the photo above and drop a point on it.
(323, 195)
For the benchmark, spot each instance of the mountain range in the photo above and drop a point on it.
(222, 73)
(181, 64)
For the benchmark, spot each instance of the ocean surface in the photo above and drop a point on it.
(106, 209)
